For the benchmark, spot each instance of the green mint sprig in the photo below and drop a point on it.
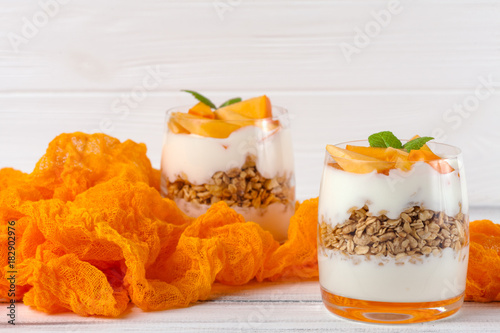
(208, 102)
(230, 101)
(384, 139)
(201, 98)
(417, 143)
(387, 139)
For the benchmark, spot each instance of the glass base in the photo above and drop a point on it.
(389, 312)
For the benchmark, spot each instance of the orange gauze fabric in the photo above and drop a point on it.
(483, 275)
(93, 234)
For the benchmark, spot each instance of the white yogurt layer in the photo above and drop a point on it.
(273, 218)
(436, 278)
(198, 158)
(390, 194)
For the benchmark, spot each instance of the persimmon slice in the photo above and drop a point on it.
(253, 108)
(203, 126)
(358, 163)
(400, 157)
(202, 110)
(432, 159)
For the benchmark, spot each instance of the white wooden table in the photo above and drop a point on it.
(257, 307)
(293, 306)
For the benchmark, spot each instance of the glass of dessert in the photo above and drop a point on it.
(393, 230)
(240, 153)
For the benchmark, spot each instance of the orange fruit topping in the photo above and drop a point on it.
(253, 108)
(202, 110)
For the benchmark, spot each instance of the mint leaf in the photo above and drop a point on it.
(230, 101)
(417, 143)
(384, 139)
(201, 98)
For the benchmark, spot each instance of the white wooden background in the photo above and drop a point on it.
(115, 66)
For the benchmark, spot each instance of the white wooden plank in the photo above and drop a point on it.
(28, 123)
(235, 44)
(267, 307)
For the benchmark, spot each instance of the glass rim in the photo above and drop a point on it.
(281, 113)
(457, 152)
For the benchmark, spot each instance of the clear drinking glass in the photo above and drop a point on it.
(393, 245)
(246, 163)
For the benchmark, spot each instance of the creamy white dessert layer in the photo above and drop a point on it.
(273, 218)
(198, 158)
(390, 194)
(436, 278)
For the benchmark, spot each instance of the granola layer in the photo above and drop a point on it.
(238, 187)
(417, 232)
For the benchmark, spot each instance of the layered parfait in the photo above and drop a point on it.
(240, 153)
(393, 223)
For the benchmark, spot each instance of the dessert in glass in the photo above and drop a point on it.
(239, 153)
(393, 232)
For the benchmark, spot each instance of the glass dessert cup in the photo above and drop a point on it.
(393, 246)
(246, 163)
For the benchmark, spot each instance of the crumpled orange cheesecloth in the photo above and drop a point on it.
(93, 233)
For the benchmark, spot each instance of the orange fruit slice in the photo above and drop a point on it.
(358, 163)
(400, 157)
(253, 108)
(202, 110)
(203, 126)
(376, 152)
(432, 159)
(175, 127)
